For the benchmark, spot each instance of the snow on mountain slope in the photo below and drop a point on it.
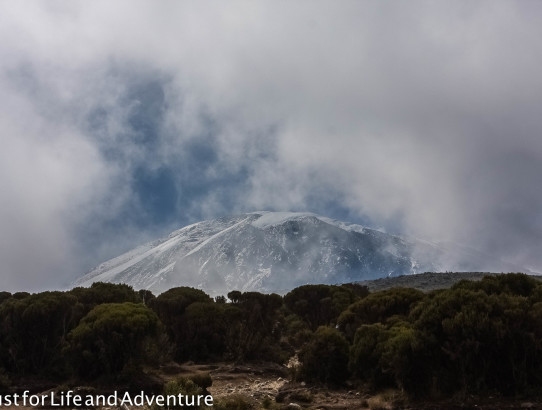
(275, 252)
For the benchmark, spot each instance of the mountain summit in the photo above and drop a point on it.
(275, 252)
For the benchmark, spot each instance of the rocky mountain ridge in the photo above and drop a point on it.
(277, 251)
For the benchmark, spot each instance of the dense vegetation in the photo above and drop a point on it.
(481, 337)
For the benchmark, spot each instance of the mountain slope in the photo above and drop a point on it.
(275, 252)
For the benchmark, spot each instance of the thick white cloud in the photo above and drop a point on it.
(48, 177)
(425, 113)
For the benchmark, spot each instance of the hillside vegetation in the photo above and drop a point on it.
(476, 337)
(427, 281)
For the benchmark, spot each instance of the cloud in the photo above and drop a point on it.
(122, 121)
(48, 178)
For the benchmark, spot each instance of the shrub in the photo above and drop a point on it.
(378, 308)
(269, 403)
(33, 329)
(387, 400)
(183, 386)
(366, 352)
(233, 402)
(320, 305)
(4, 296)
(203, 380)
(325, 357)
(517, 284)
(110, 337)
(101, 292)
(5, 382)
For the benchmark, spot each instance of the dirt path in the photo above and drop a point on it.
(258, 381)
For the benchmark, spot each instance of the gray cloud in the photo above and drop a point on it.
(421, 117)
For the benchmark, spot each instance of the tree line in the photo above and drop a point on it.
(475, 337)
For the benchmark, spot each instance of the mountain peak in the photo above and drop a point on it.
(271, 252)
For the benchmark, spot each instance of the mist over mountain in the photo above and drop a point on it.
(278, 251)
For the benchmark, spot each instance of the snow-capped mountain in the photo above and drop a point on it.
(275, 252)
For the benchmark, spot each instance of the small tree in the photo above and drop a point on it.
(325, 357)
(319, 305)
(112, 336)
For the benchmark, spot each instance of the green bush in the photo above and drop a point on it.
(102, 292)
(4, 296)
(366, 352)
(253, 327)
(5, 381)
(320, 305)
(482, 337)
(33, 330)
(517, 284)
(203, 380)
(171, 307)
(269, 403)
(378, 308)
(296, 330)
(112, 336)
(183, 386)
(233, 402)
(325, 357)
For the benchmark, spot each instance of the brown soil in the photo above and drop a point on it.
(268, 382)
(258, 381)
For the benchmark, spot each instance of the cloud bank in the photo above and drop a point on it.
(120, 122)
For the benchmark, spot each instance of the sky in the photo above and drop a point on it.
(122, 121)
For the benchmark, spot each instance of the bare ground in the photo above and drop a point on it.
(268, 385)
(258, 381)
